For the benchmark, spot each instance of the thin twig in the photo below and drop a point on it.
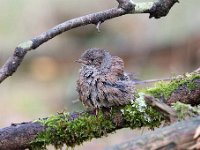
(156, 9)
(152, 81)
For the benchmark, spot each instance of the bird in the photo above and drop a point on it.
(102, 82)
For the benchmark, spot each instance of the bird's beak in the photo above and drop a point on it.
(81, 61)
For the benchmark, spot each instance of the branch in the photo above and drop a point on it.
(75, 128)
(185, 89)
(177, 136)
(167, 111)
(161, 8)
(156, 9)
(18, 136)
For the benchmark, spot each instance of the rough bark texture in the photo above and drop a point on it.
(18, 136)
(175, 137)
(161, 8)
(187, 94)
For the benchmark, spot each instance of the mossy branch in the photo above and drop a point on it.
(74, 128)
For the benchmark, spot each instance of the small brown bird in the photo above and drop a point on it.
(102, 81)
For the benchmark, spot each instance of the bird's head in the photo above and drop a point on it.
(93, 56)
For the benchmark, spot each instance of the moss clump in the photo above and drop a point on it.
(164, 90)
(185, 110)
(60, 130)
(139, 114)
(63, 129)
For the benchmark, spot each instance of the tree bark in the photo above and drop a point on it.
(18, 136)
(175, 137)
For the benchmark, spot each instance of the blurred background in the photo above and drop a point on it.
(45, 83)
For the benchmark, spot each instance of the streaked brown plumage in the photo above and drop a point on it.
(102, 81)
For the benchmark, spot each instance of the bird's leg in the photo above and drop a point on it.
(96, 111)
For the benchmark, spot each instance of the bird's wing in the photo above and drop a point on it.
(113, 93)
(85, 87)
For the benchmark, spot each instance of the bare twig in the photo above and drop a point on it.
(156, 9)
(152, 81)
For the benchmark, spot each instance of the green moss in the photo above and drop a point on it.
(63, 130)
(164, 90)
(139, 114)
(185, 110)
(60, 130)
